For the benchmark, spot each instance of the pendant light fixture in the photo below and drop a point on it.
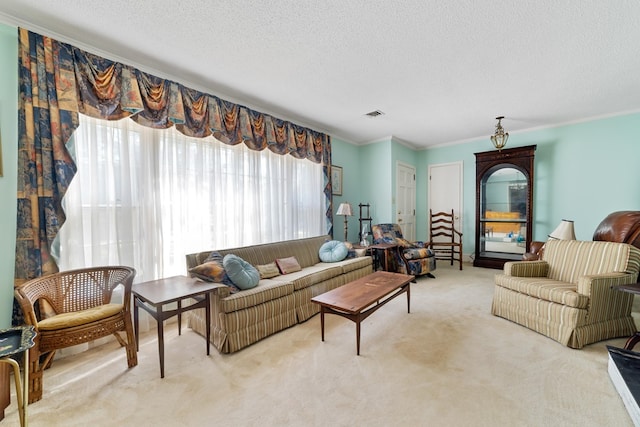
(499, 139)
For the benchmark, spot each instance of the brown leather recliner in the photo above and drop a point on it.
(621, 226)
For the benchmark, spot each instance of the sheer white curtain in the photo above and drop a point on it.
(145, 197)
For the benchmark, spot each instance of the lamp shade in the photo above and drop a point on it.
(344, 209)
(564, 231)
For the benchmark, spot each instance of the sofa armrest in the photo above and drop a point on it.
(526, 268)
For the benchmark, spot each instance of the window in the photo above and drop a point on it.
(145, 197)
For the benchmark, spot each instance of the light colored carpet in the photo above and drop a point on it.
(447, 363)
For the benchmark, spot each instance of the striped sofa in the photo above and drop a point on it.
(243, 318)
(569, 295)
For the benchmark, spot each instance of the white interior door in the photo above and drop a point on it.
(445, 190)
(406, 200)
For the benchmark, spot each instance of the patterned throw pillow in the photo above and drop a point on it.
(288, 265)
(267, 271)
(212, 270)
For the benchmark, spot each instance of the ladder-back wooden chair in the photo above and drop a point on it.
(74, 307)
(444, 240)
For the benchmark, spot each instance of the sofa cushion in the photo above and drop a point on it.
(242, 274)
(288, 265)
(333, 251)
(267, 290)
(310, 276)
(546, 289)
(267, 271)
(212, 270)
(352, 264)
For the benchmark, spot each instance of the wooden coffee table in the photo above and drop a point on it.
(359, 299)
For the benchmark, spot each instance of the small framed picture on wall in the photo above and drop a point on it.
(336, 180)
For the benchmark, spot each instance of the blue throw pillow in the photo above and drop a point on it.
(242, 274)
(333, 251)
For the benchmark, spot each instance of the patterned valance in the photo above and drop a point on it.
(110, 90)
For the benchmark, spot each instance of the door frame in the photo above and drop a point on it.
(415, 189)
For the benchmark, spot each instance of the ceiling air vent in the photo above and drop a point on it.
(374, 113)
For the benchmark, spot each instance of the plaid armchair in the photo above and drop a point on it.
(413, 258)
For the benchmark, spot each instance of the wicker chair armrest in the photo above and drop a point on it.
(27, 307)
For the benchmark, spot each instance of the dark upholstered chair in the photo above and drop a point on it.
(75, 307)
(413, 258)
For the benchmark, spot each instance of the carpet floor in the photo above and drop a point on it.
(447, 363)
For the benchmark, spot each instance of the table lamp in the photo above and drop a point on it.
(345, 209)
(564, 231)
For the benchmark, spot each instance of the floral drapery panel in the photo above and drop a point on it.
(58, 81)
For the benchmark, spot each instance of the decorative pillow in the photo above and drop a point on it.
(268, 271)
(333, 251)
(242, 274)
(288, 265)
(212, 270)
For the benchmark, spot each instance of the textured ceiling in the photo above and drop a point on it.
(440, 71)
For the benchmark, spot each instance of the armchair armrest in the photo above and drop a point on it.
(537, 268)
(604, 298)
(604, 283)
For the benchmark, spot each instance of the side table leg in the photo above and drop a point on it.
(135, 322)
(632, 341)
(207, 311)
(160, 322)
(25, 388)
(179, 317)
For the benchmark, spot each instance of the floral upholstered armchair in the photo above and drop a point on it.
(413, 258)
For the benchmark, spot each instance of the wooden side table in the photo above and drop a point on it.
(635, 338)
(387, 251)
(152, 296)
(15, 341)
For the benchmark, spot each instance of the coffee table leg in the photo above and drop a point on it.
(322, 322)
(408, 298)
(358, 335)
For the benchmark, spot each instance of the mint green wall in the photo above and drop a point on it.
(347, 156)
(8, 183)
(582, 172)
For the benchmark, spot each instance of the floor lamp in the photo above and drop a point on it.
(345, 209)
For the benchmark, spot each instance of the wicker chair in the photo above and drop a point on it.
(75, 307)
